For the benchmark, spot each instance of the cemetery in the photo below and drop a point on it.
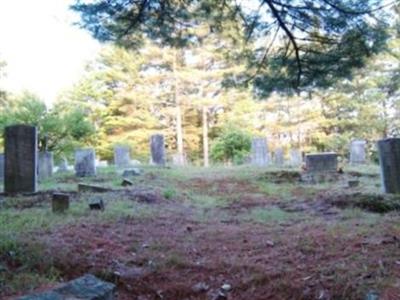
(200, 150)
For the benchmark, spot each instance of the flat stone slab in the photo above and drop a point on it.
(126, 182)
(92, 188)
(87, 287)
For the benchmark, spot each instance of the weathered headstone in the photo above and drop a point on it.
(389, 161)
(1, 166)
(321, 167)
(357, 152)
(131, 172)
(59, 202)
(321, 162)
(87, 287)
(157, 149)
(122, 156)
(96, 203)
(20, 159)
(259, 152)
(46, 164)
(85, 162)
(179, 160)
(296, 158)
(279, 157)
(63, 166)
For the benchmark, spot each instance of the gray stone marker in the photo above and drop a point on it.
(389, 161)
(296, 158)
(1, 166)
(132, 172)
(321, 162)
(85, 162)
(259, 152)
(357, 152)
(157, 148)
(20, 159)
(87, 287)
(63, 166)
(179, 160)
(46, 165)
(279, 157)
(122, 156)
(59, 202)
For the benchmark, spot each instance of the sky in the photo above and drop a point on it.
(45, 53)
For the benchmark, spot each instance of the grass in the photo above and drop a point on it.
(269, 215)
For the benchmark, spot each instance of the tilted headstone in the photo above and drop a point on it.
(122, 156)
(157, 148)
(59, 202)
(259, 152)
(279, 157)
(296, 159)
(357, 152)
(389, 161)
(46, 164)
(322, 162)
(1, 166)
(20, 157)
(85, 162)
(87, 287)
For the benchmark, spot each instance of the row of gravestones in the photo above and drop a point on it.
(261, 157)
(21, 164)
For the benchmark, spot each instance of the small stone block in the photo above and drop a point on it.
(87, 287)
(96, 203)
(126, 182)
(131, 172)
(60, 203)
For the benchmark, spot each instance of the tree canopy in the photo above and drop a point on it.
(294, 44)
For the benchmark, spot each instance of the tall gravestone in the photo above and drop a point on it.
(122, 156)
(389, 161)
(259, 152)
(1, 166)
(357, 152)
(46, 165)
(85, 162)
(296, 158)
(157, 148)
(20, 159)
(279, 157)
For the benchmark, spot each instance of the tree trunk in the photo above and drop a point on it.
(179, 129)
(205, 136)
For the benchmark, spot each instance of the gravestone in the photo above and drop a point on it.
(389, 161)
(59, 202)
(46, 164)
(87, 287)
(20, 159)
(279, 157)
(357, 152)
(85, 162)
(122, 156)
(296, 158)
(1, 166)
(132, 172)
(63, 166)
(178, 160)
(321, 162)
(321, 167)
(259, 152)
(157, 148)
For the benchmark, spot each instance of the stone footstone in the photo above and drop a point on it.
(279, 157)
(389, 161)
(85, 162)
(20, 145)
(259, 152)
(358, 152)
(89, 188)
(131, 172)
(60, 202)
(321, 167)
(87, 287)
(96, 203)
(157, 148)
(46, 165)
(179, 160)
(122, 156)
